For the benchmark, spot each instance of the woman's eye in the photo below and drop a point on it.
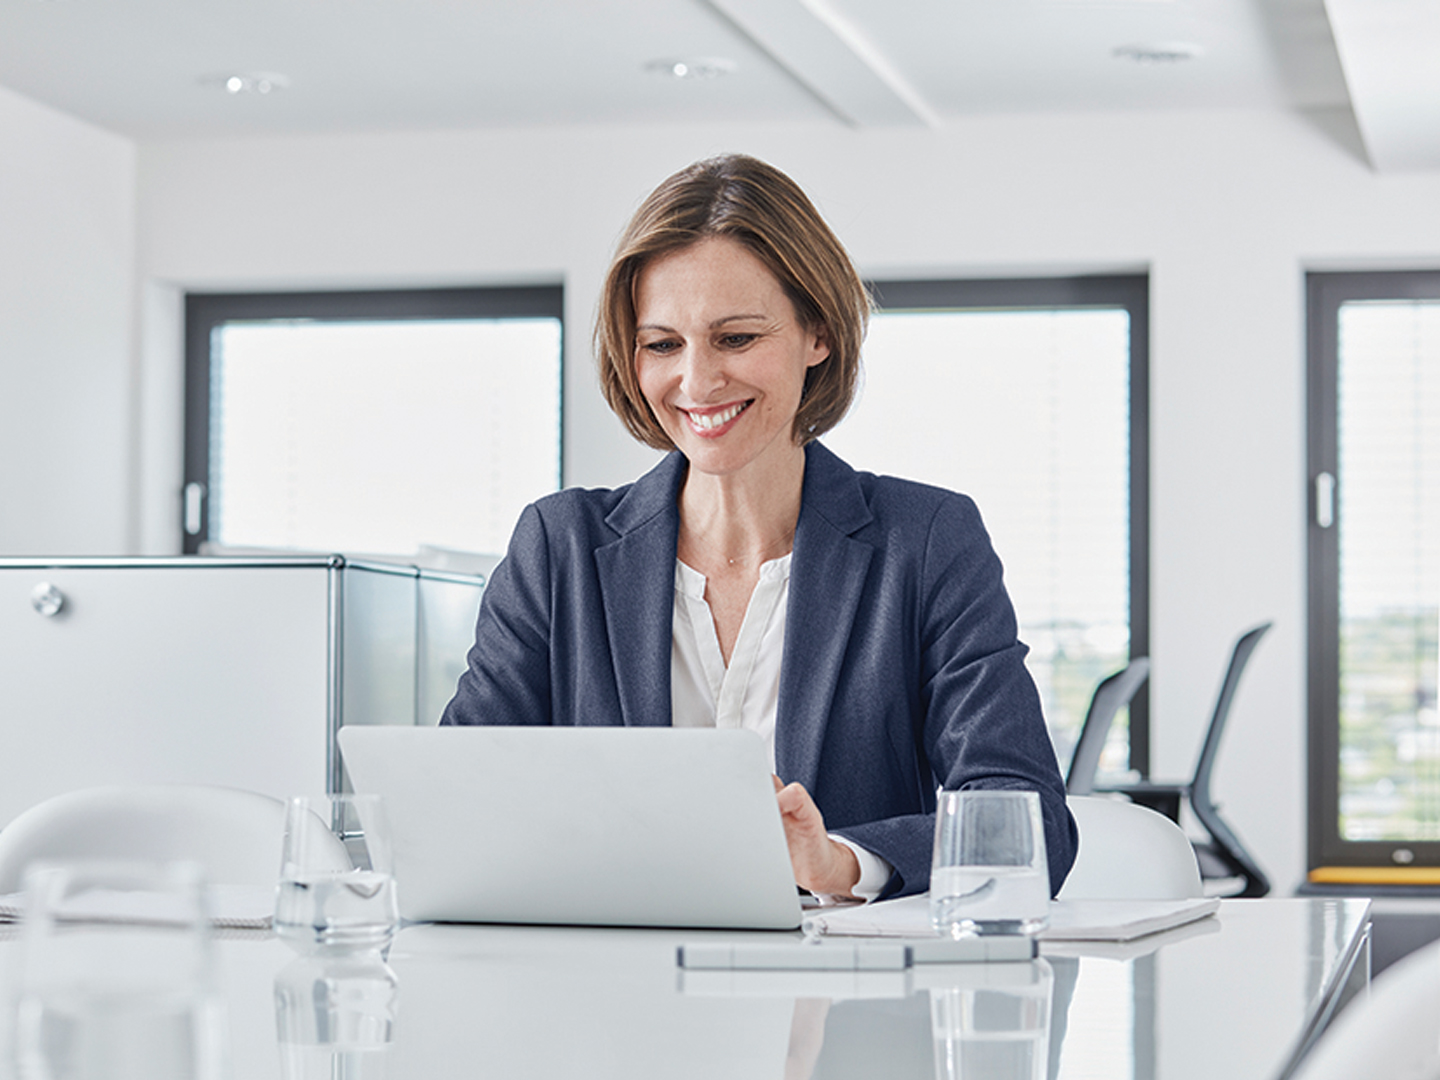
(660, 347)
(737, 341)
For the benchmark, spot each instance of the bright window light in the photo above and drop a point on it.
(1389, 502)
(1027, 412)
(381, 437)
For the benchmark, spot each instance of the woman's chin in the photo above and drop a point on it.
(728, 457)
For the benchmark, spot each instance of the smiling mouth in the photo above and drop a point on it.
(711, 421)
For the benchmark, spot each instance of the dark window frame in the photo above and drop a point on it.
(206, 311)
(1132, 293)
(1325, 293)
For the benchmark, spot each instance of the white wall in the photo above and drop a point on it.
(1226, 210)
(67, 250)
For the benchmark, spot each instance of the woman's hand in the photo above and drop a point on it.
(821, 865)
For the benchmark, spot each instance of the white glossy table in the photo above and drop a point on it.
(1237, 996)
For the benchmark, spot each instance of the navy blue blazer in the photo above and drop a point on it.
(901, 669)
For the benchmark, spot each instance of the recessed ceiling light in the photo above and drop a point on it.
(1159, 52)
(711, 67)
(247, 82)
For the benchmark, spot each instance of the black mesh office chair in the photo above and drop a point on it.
(1111, 695)
(1223, 856)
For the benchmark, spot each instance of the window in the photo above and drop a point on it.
(370, 422)
(1030, 396)
(1374, 569)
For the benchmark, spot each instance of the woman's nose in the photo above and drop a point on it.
(703, 373)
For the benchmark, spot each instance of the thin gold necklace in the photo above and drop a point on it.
(694, 540)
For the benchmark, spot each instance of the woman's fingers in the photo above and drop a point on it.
(820, 864)
(795, 802)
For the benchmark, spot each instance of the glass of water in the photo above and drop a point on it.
(116, 976)
(989, 874)
(337, 885)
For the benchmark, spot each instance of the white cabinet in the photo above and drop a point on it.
(214, 670)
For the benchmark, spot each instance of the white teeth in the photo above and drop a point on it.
(706, 422)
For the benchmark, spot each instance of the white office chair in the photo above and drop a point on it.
(1128, 852)
(235, 835)
(1394, 1033)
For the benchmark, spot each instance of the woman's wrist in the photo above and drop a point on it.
(845, 870)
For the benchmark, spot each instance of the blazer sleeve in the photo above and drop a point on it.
(512, 638)
(981, 724)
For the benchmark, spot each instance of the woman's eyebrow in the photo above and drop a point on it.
(736, 318)
(662, 328)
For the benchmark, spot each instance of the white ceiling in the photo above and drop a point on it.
(152, 69)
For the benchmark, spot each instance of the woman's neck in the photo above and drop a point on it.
(740, 521)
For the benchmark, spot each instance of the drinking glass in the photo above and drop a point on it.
(335, 1014)
(115, 975)
(992, 1022)
(989, 874)
(337, 886)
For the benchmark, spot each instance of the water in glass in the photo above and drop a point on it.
(353, 909)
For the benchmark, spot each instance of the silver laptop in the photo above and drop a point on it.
(597, 826)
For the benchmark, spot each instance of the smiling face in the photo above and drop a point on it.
(721, 356)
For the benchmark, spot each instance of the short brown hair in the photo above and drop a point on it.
(756, 204)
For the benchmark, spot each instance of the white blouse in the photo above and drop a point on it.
(704, 692)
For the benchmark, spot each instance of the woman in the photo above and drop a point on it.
(858, 623)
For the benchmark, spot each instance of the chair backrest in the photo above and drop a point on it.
(236, 835)
(1392, 1032)
(1111, 695)
(1129, 852)
(1205, 765)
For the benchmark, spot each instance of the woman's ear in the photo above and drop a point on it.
(819, 345)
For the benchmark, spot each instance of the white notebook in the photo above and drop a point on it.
(1070, 920)
(601, 826)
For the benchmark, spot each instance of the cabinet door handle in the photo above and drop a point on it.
(194, 503)
(1325, 500)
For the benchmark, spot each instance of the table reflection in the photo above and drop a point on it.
(538, 1002)
(993, 1022)
(335, 1016)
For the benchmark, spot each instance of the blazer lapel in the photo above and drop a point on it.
(826, 581)
(637, 583)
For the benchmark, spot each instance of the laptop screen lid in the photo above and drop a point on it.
(598, 826)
